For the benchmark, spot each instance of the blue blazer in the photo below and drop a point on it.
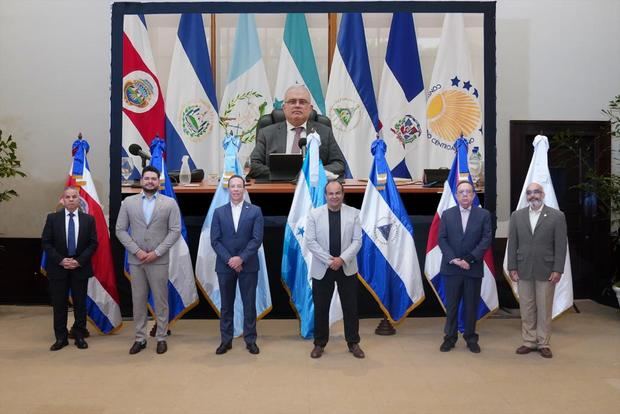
(244, 242)
(469, 246)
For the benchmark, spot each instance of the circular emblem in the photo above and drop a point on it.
(406, 130)
(344, 114)
(246, 108)
(386, 230)
(196, 120)
(140, 92)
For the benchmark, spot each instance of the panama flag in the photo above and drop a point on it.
(297, 63)
(247, 96)
(192, 121)
(205, 261)
(402, 103)
(539, 173)
(350, 98)
(143, 102)
(388, 261)
(488, 291)
(453, 102)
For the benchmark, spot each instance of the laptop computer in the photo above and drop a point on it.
(284, 167)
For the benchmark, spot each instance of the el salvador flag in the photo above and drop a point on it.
(488, 294)
(388, 262)
(192, 121)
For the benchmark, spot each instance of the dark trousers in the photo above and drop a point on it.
(59, 293)
(462, 291)
(247, 287)
(322, 292)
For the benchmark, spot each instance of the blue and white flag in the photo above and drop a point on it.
(350, 99)
(297, 63)
(402, 103)
(205, 261)
(192, 121)
(388, 261)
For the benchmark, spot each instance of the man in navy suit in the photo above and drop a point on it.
(464, 235)
(236, 235)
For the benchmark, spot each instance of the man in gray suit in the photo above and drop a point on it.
(334, 236)
(149, 224)
(536, 255)
(283, 137)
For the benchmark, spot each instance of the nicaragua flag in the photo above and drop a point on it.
(247, 96)
(205, 261)
(488, 292)
(350, 99)
(388, 261)
(297, 63)
(102, 300)
(402, 102)
(192, 121)
(539, 173)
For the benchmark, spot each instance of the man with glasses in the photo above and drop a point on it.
(283, 137)
(536, 255)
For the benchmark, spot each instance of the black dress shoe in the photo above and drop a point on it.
(81, 343)
(474, 347)
(317, 352)
(356, 351)
(252, 348)
(137, 347)
(446, 346)
(162, 347)
(223, 348)
(59, 344)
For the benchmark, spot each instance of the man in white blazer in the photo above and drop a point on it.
(334, 236)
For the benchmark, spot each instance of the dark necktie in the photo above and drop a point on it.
(71, 236)
(295, 149)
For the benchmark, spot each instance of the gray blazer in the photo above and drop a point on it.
(534, 255)
(159, 235)
(317, 239)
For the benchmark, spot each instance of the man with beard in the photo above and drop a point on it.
(536, 255)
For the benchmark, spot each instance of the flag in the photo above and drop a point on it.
(393, 278)
(192, 121)
(488, 290)
(539, 173)
(350, 99)
(205, 261)
(402, 103)
(297, 63)
(246, 96)
(453, 102)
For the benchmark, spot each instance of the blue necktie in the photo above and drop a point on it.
(71, 237)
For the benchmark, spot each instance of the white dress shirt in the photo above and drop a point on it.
(236, 212)
(290, 136)
(465, 212)
(76, 221)
(534, 216)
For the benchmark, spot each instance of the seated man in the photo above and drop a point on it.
(283, 137)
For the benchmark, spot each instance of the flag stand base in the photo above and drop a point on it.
(154, 331)
(385, 328)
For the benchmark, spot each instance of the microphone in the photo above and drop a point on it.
(302, 146)
(136, 150)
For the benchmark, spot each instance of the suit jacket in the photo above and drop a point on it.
(54, 241)
(244, 242)
(469, 245)
(317, 239)
(159, 235)
(272, 139)
(534, 255)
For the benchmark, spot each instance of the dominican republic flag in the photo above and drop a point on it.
(102, 301)
(488, 293)
(402, 102)
(350, 98)
(143, 102)
(247, 96)
(388, 261)
(192, 121)
(297, 63)
(539, 173)
(454, 99)
(205, 261)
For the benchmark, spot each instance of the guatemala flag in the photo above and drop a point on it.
(192, 121)
(402, 103)
(388, 262)
(297, 63)
(488, 293)
(350, 99)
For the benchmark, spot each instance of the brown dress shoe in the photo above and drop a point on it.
(137, 347)
(162, 347)
(523, 349)
(317, 351)
(356, 351)
(545, 353)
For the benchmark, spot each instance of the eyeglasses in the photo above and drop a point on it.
(464, 192)
(301, 102)
(530, 192)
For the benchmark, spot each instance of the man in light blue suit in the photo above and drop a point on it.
(236, 235)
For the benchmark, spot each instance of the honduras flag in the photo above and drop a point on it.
(350, 99)
(388, 262)
(205, 261)
(402, 102)
(297, 63)
(192, 121)
(488, 293)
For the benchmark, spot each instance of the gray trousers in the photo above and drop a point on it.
(155, 278)
(536, 304)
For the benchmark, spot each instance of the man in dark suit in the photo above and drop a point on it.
(284, 137)
(236, 236)
(69, 240)
(464, 235)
